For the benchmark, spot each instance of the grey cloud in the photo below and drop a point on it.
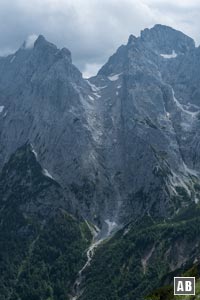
(91, 29)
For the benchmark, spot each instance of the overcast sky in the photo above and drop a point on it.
(91, 29)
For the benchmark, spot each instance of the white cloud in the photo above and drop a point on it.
(91, 70)
(92, 29)
(29, 43)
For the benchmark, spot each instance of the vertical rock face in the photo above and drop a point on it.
(121, 144)
(43, 96)
(154, 123)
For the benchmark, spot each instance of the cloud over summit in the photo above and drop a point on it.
(91, 29)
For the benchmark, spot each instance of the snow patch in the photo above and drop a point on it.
(35, 153)
(93, 86)
(181, 107)
(117, 93)
(12, 59)
(96, 95)
(114, 77)
(187, 116)
(177, 181)
(5, 114)
(96, 229)
(93, 229)
(1, 108)
(126, 231)
(95, 90)
(47, 174)
(190, 171)
(91, 98)
(168, 56)
(111, 226)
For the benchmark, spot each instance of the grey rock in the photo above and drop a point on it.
(120, 144)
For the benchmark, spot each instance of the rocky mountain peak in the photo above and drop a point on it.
(65, 53)
(131, 39)
(164, 39)
(40, 40)
(34, 41)
(159, 41)
(119, 149)
(39, 48)
(42, 44)
(89, 134)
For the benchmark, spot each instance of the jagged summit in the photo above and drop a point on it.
(42, 44)
(37, 64)
(39, 46)
(33, 41)
(120, 134)
(40, 40)
(160, 41)
(131, 39)
(123, 148)
(165, 39)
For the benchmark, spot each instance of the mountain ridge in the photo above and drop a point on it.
(98, 127)
(114, 158)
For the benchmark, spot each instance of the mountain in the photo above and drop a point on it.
(118, 143)
(42, 246)
(112, 160)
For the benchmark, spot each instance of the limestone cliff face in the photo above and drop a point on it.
(120, 144)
